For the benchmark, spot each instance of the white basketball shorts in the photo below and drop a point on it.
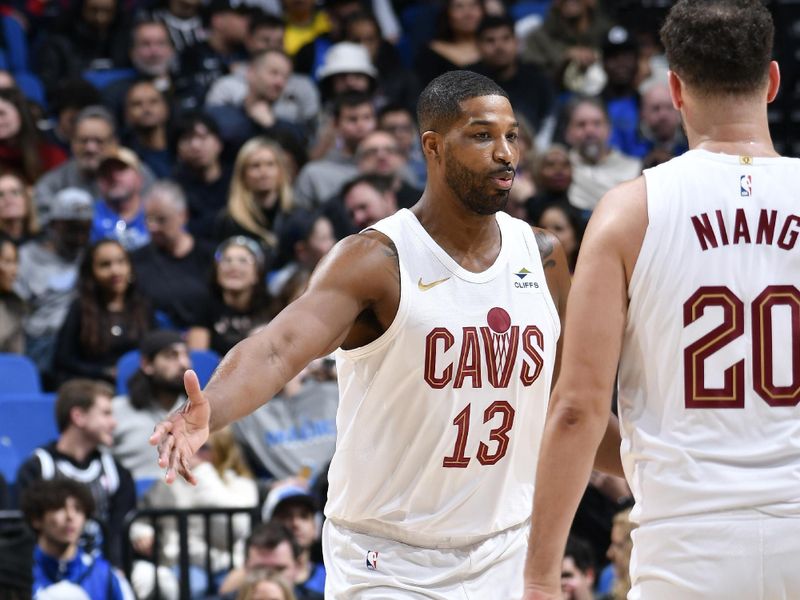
(366, 567)
(747, 555)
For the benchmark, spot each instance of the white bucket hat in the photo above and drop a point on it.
(346, 57)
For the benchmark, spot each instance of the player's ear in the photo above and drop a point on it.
(774, 81)
(675, 89)
(431, 145)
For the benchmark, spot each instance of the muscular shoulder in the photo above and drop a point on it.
(366, 263)
(619, 221)
(556, 268)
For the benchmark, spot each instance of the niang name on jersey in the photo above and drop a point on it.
(767, 227)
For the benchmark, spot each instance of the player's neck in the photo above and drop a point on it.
(730, 128)
(472, 240)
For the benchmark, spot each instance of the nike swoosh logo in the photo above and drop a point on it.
(426, 286)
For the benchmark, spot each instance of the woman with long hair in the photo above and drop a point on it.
(17, 211)
(240, 303)
(564, 222)
(260, 195)
(22, 147)
(108, 318)
(454, 45)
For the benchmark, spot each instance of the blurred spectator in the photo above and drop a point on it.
(305, 239)
(70, 98)
(552, 174)
(154, 390)
(239, 302)
(146, 117)
(400, 122)
(260, 196)
(528, 88)
(81, 453)
(271, 546)
(22, 147)
(312, 54)
(396, 83)
(12, 308)
(523, 186)
(563, 221)
(577, 570)
(293, 507)
(299, 100)
(172, 270)
(57, 512)
(108, 318)
(17, 214)
(209, 59)
(224, 481)
(347, 69)
(619, 553)
(262, 584)
(621, 63)
(368, 199)
(267, 76)
(182, 18)
(48, 272)
(119, 214)
(153, 58)
(16, 554)
(596, 167)
(304, 23)
(91, 37)
(320, 180)
(94, 137)
(379, 154)
(660, 124)
(567, 45)
(454, 45)
(200, 172)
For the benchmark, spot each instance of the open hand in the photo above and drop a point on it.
(183, 432)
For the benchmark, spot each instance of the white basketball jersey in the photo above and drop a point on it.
(710, 370)
(440, 418)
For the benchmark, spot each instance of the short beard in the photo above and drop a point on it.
(163, 384)
(473, 189)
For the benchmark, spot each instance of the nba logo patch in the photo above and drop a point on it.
(745, 185)
(372, 560)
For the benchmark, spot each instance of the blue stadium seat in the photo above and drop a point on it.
(203, 362)
(18, 375)
(9, 459)
(27, 421)
(527, 8)
(143, 485)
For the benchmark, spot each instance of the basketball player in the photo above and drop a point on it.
(446, 317)
(688, 278)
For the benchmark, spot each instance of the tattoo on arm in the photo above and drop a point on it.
(390, 251)
(545, 248)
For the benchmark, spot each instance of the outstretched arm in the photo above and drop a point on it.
(359, 274)
(580, 404)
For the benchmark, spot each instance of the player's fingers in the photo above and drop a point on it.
(160, 431)
(193, 390)
(172, 466)
(185, 471)
(165, 451)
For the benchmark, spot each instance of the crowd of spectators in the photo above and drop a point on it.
(171, 172)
